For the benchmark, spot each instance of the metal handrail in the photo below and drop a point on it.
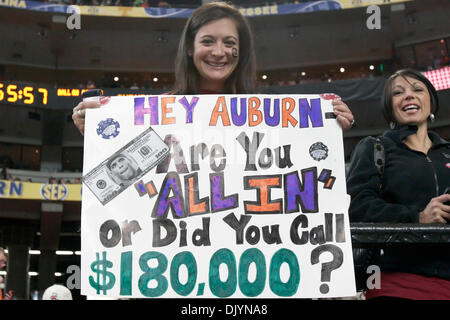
(399, 233)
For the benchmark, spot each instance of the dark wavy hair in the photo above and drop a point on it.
(243, 78)
(387, 92)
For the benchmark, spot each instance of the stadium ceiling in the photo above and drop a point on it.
(40, 39)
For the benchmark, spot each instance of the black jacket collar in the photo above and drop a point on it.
(399, 133)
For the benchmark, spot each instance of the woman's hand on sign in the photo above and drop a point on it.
(343, 114)
(79, 113)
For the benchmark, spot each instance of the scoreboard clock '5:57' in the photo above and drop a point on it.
(23, 94)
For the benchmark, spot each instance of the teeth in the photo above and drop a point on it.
(410, 107)
(216, 64)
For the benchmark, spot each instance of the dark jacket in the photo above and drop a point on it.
(410, 180)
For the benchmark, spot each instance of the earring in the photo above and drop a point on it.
(432, 117)
(392, 125)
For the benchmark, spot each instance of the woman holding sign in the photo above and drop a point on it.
(409, 185)
(216, 56)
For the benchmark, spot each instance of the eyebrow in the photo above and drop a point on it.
(414, 85)
(226, 38)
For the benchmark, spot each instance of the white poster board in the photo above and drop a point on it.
(249, 202)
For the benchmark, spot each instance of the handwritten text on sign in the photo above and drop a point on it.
(250, 200)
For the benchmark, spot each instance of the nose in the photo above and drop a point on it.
(218, 50)
(409, 94)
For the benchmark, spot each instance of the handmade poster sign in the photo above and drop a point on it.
(214, 196)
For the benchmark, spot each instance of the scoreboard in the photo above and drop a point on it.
(17, 93)
(25, 94)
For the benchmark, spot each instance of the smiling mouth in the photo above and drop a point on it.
(215, 65)
(410, 107)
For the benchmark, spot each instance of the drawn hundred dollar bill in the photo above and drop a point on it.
(126, 166)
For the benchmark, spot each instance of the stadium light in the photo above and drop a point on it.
(155, 79)
(32, 273)
(116, 79)
(264, 77)
(342, 70)
(303, 73)
(64, 253)
(372, 67)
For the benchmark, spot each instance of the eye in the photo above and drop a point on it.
(396, 93)
(206, 42)
(230, 44)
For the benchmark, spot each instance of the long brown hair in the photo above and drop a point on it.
(242, 80)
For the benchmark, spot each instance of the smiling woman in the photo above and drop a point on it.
(216, 56)
(410, 188)
(411, 91)
(216, 52)
(411, 99)
(213, 53)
